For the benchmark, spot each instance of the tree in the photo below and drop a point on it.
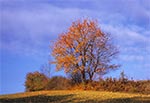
(123, 78)
(46, 70)
(75, 78)
(86, 49)
(36, 81)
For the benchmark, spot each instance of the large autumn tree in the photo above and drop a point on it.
(84, 49)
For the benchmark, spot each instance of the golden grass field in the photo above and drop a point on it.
(74, 96)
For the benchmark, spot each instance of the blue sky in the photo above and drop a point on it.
(28, 26)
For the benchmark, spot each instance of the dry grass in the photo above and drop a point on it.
(74, 96)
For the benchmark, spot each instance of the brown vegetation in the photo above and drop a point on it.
(36, 81)
(40, 82)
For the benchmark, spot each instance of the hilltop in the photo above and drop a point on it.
(74, 96)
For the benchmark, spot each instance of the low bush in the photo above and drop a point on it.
(58, 83)
(36, 81)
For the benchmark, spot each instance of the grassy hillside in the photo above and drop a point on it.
(66, 96)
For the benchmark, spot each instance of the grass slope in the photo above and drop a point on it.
(66, 96)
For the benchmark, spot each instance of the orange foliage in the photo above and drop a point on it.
(84, 48)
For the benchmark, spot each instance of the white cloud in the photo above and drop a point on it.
(34, 26)
(129, 35)
(132, 58)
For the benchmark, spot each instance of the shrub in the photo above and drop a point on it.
(36, 81)
(58, 83)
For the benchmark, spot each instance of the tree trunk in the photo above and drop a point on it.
(83, 80)
(91, 78)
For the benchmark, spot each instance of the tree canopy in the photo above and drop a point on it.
(84, 49)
